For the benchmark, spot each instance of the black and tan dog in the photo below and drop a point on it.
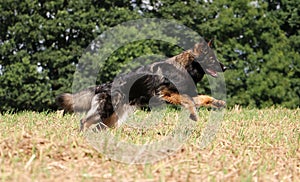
(171, 81)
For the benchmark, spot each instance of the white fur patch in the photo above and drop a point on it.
(124, 112)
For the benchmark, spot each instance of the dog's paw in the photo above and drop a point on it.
(219, 103)
(193, 117)
(81, 125)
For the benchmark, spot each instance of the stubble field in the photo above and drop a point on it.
(250, 145)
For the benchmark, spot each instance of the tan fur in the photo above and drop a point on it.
(207, 101)
(199, 49)
(183, 59)
(109, 122)
(180, 99)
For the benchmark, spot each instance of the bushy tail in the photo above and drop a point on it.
(78, 102)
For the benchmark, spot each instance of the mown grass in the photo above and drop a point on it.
(250, 145)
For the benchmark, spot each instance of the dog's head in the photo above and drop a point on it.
(206, 57)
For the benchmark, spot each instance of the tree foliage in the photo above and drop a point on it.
(41, 43)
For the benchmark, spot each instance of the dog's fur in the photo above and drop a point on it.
(172, 81)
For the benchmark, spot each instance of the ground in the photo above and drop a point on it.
(250, 145)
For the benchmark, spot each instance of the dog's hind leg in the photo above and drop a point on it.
(180, 99)
(95, 118)
(207, 101)
(86, 122)
(92, 116)
(100, 113)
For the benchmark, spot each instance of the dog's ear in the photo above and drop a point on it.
(210, 42)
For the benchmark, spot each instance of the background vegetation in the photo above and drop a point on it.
(42, 41)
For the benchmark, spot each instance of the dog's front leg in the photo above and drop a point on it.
(181, 99)
(207, 101)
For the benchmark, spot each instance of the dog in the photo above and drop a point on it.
(170, 81)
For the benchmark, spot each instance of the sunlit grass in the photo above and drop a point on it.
(250, 144)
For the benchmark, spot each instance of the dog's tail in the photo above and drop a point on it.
(78, 102)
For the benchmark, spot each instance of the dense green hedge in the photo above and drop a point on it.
(42, 41)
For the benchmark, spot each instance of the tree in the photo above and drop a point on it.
(42, 42)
